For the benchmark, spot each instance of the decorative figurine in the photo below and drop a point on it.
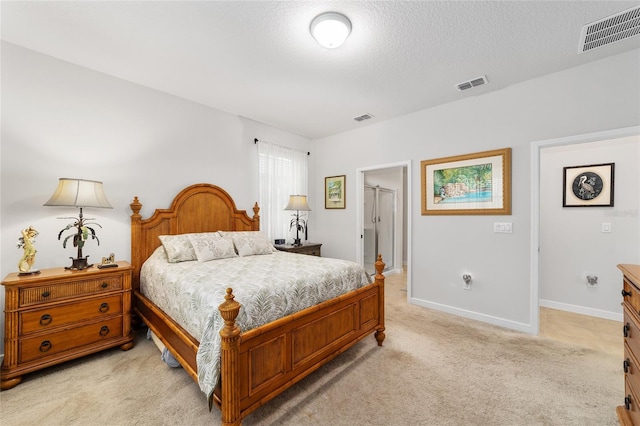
(29, 256)
(108, 262)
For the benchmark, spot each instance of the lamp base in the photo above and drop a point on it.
(79, 264)
(297, 243)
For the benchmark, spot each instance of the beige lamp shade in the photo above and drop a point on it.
(79, 193)
(298, 202)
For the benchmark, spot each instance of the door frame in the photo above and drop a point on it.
(536, 147)
(407, 195)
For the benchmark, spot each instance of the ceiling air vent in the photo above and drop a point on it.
(363, 117)
(472, 83)
(610, 29)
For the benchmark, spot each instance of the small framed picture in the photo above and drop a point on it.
(588, 186)
(335, 192)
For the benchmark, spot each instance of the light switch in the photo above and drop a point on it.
(503, 227)
(606, 227)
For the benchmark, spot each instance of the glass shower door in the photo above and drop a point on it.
(379, 226)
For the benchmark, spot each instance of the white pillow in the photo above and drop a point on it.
(249, 243)
(211, 246)
(178, 248)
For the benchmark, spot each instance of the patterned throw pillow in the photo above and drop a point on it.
(211, 246)
(249, 243)
(178, 248)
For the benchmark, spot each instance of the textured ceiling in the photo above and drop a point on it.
(257, 59)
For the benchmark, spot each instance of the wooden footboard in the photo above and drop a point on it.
(261, 363)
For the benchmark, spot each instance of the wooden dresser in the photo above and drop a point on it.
(58, 315)
(312, 249)
(629, 413)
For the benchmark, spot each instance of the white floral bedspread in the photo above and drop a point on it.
(268, 287)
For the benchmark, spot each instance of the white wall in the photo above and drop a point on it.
(572, 243)
(598, 96)
(62, 120)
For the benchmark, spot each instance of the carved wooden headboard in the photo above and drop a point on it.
(198, 208)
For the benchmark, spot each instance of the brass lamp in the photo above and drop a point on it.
(297, 203)
(79, 193)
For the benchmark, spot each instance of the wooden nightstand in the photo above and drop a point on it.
(59, 315)
(312, 249)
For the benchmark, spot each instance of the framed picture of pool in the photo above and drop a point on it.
(471, 184)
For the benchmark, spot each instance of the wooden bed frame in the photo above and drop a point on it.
(258, 364)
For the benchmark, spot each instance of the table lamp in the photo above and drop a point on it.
(297, 203)
(79, 193)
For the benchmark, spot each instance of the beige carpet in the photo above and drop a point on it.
(434, 369)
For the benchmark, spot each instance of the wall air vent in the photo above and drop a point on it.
(610, 29)
(472, 83)
(363, 117)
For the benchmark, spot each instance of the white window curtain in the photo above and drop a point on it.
(283, 172)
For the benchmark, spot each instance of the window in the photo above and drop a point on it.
(283, 172)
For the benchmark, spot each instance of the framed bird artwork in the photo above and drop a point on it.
(588, 186)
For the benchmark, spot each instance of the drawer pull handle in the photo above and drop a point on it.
(625, 365)
(627, 402)
(625, 330)
(45, 319)
(104, 330)
(45, 346)
(104, 307)
(626, 293)
(104, 285)
(46, 294)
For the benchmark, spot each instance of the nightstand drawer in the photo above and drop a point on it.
(47, 293)
(311, 251)
(53, 343)
(55, 316)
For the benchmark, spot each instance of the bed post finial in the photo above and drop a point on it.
(229, 358)
(256, 209)
(379, 266)
(136, 207)
(379, 278)
(229, 310)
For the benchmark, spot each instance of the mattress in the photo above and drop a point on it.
(268, 286)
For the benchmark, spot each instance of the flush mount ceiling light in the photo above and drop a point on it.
(330, 29)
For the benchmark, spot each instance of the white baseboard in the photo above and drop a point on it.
(513, 325)
(592, 312)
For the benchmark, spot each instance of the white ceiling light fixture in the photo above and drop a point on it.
(330, 29)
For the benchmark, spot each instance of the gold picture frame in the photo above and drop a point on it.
(470, 184)
(335, 192)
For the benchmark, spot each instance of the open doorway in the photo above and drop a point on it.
(564, 286)
(384, 217)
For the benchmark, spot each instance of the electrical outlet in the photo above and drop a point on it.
(592, 279)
